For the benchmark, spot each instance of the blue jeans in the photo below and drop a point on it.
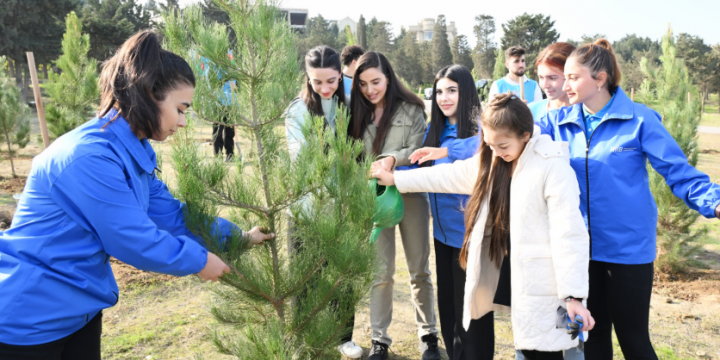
(577, 353)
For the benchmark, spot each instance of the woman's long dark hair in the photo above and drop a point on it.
(321, 57)
(468, 106)
(361, 109)
(138, 76)
(504, 112)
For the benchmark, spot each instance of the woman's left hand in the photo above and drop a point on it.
(384, 163)
(257, 236)
(577, 308)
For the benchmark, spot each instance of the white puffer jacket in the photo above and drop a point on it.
(548, 240)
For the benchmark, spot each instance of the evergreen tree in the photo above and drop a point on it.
(361, 33)
(699, 60)
(533, 32)
(349, 37)
(14, 125)
(500, 69)
(330, 263)
(666, 90)
(588, 39)
(75, 89)
(110, 22)
(426, 61)
(317, 32)
(441, 53)
(380, 36)
(461, 52)
(406, 60)
(484, 52)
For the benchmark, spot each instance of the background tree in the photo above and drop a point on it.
(14, 125)
(348, 36)
(533, 32)
(317, 33)
(74, 90)
(334, 266)
(32, 25)
(700, 63)
(666, 90)
(426, 61)
(591, 38)
(406, 60)
(484, 52)
(441, 53)
(500, 70)
(379, 36)
(361, 33)
(110, 22)
(214, 13)
(461, 52)
(629, 52)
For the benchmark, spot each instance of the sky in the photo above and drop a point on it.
(613, 18)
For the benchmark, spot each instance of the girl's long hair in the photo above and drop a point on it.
(361, 109)
(321, 57)
(139, 75)
(505, 112)
(468, 107)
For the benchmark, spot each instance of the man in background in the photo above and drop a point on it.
(515, 63)
(349, 57)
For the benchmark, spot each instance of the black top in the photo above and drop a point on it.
(503, 294)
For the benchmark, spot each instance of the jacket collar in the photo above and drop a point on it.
(620, 109)
(140, 150)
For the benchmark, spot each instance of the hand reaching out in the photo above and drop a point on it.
(257, 236)
(428, 154)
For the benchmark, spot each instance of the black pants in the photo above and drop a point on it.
(620, 297)
(223, 136)
(478, 342)
(83, 344)
(295, 246)
(542, 355)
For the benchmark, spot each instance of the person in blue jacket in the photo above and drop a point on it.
(91, 195)
(611, 139)
(550, 65)
(453, 135)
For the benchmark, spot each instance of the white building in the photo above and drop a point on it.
(347, 22)
(424, 30)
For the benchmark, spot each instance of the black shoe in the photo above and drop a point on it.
(429, 347)
(379, 351)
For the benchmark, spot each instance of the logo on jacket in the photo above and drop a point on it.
(621, 149)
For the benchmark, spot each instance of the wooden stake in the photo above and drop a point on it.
(522, 87)
(688, 96)
(38, 99)
(632, 94)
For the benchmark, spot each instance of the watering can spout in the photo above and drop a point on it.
(389, 208)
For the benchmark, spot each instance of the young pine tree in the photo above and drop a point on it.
(441, 52)
(500, 68)
(279, 302)
(666, 89)
(75, 89)
(14, 125)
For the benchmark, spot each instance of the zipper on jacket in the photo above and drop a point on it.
(587, 182)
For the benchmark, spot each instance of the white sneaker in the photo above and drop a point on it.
(350, 350)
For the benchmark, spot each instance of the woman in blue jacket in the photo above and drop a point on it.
(611, 139)
(451, 136)
(93, 194)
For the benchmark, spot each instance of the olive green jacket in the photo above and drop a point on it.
(404, 136)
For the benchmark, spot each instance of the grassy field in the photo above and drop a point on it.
(162, 317)
(711, 116)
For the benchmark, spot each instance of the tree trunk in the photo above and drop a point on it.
(45, 71)
(11, 64)
(18, 75)
(25, 80)
(9, 145)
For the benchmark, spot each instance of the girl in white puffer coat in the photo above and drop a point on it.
(524, 198)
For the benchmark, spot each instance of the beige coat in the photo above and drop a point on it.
(404, 136)
(549, 241)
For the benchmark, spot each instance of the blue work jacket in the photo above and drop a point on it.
(610, 164)
(448, 209)
(90, 195)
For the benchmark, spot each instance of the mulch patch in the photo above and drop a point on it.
(12, 185)
(689, 285)
(127, 275)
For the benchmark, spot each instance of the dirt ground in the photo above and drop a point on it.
(165, 317)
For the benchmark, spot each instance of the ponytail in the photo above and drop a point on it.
(139, 75)
(598, 57)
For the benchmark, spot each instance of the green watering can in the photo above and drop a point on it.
(389, 208)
